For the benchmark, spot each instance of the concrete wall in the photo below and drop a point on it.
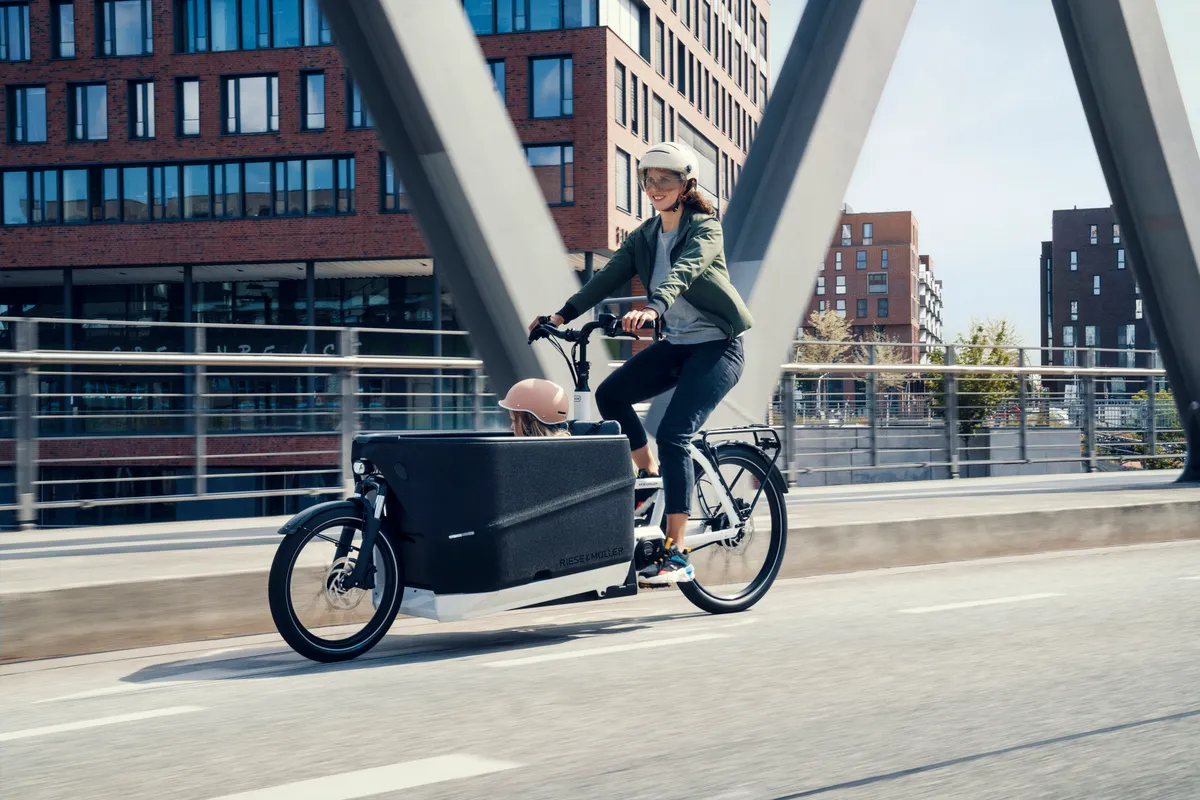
(847, 451)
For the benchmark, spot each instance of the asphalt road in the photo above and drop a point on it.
(1066, 676)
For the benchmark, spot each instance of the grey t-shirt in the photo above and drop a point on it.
(682, 323)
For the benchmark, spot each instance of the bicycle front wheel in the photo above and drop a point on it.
(734, 574)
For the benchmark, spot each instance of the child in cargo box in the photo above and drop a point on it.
(537, 408)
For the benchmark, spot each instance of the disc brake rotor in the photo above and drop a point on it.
(339, 598)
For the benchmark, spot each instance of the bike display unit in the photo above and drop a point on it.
(464, 524)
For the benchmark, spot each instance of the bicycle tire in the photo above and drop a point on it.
(301, 639)
(754, 461)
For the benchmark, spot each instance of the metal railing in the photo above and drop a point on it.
(90, 436)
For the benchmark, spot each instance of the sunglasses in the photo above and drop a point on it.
(664, 183)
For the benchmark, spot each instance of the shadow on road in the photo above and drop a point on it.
(954, 762)
(271, 661)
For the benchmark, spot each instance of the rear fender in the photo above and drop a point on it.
(352, 507)
(774, 476)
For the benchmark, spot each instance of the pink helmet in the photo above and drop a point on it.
(546, 400)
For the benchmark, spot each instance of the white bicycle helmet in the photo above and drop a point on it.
(673, 156)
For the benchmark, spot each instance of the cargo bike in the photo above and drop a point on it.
(455, 525)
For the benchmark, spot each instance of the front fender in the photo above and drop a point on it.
(351, 507)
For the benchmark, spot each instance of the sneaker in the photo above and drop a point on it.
(670, 567)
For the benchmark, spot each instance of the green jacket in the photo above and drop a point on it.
(698, 273)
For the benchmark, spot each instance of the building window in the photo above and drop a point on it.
(551, 93)
(640, 194)
(123, 28)
(737, 64)
(762, 90)
(394, 198)
(1137, 308)
(633, 106)
(1074, 261)
(554, 168)
(645, 112)
(1068, 341)
(1093, 233)
(506, 16)
(1127, 342)
(141, 109)
(877, 283)
(881, 305)
(16, 198)
(227, 190)
(658, 126)
(89, 112)
(1074, 310)
(14, 32)
(822, 305)
(358, 116)
(187, 106)
(706, 25)
(660, 47)
(27, 114)
(622, 181)
(820, 284)
(860, 259)
(840, 308)
(189, 191)
(837, 261)
(846, 234)
(885, 259)
(1096, 284)
(312, 100)
(497, 68)
(1116, 233)
(627, 18)
(868, 232)
(63, 22)
(619, 93)
(840, 285)
(1089, 336)
(316, 26)
(681, 67)
(861, 311)
(251, 104)
(1121, 258)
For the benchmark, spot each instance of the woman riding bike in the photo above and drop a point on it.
(679, 255)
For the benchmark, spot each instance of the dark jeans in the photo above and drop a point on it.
(701, 374)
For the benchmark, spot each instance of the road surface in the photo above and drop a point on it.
(1061, 676)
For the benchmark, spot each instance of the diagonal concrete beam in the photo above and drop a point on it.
(422, 74)
(780, 219)
(1118, 52)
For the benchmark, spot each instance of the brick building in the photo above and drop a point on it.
(1090, 299)
(211, 161)
(873, 275)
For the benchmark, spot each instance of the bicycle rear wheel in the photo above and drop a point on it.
(734, 574)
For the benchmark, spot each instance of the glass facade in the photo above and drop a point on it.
(141, 193)
(509, 16)
(220, 25)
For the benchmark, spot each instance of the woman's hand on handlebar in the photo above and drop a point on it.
(637, 319)
(553, 319)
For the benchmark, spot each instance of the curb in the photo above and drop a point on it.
(116, 616)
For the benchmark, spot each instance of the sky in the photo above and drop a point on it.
(981, 134)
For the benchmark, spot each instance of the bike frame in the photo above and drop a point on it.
(583, 410)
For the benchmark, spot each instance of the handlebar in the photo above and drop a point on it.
(607, 324)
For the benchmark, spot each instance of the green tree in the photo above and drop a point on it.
(990, 343)
(1167, 442)
(887, 351)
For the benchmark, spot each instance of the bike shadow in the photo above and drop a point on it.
(413, 643)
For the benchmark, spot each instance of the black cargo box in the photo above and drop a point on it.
(484, 511)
